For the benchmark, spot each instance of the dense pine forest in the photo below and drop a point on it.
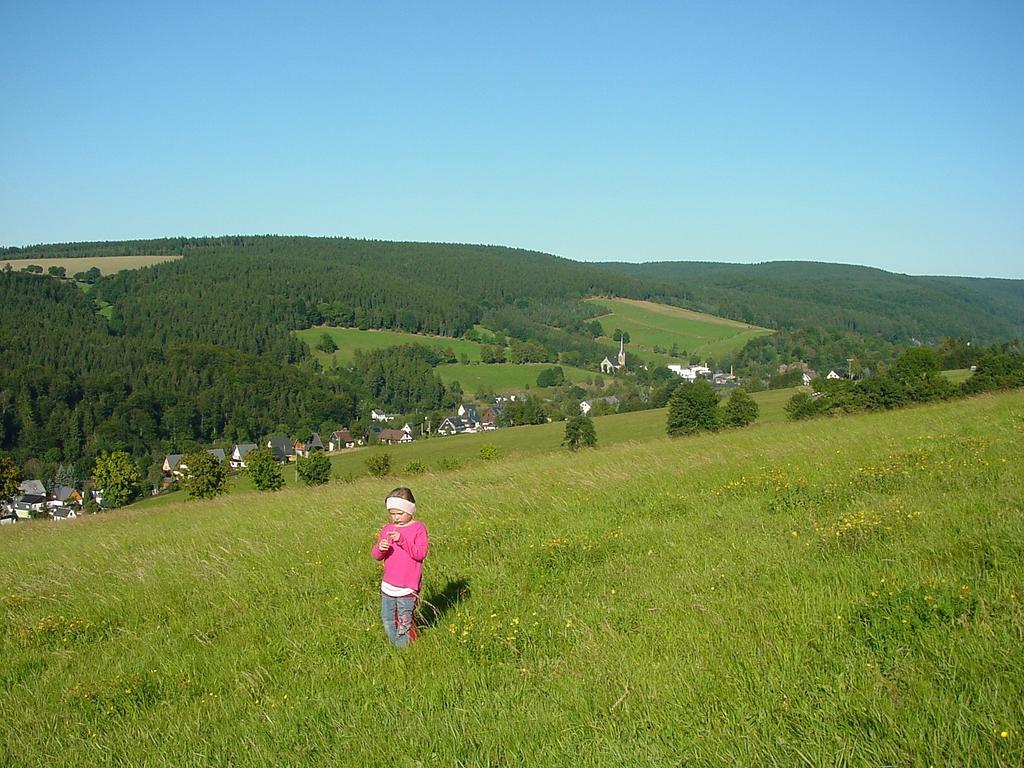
(200, 350)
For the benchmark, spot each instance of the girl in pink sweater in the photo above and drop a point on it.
(402, 544)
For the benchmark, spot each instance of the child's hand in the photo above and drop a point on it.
(384, 545)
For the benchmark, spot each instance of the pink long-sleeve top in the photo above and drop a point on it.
(403, 562)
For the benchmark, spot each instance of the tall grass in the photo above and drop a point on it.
(840, 592)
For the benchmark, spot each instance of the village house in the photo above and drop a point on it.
(33, 487)
(173, 466)
(238, 454)
(341, 439)
(29, 505)
(588, 405)
(452, 425)
(379, 415)
(67, 495)
(282, 448)
(390, 436)
(305, 448)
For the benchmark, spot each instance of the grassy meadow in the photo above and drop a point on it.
(106, 264)
(351, 339)
(840, 592)
(651, 324)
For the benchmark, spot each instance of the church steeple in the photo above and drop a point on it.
(622, 351)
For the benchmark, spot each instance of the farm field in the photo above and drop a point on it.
(504, 377)
(106, 264)
(459, 452)
(351, 339)
(767, 596)
(651, 324)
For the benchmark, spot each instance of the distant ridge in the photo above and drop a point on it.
(801, 294)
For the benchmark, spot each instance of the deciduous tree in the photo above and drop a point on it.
(693, 408)
(740, 409)
(264, 470)
(205, 476)
(118, 477)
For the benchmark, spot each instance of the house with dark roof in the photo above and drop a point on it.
(282, 448)
(170, 466)
(65, 494)
(29, 505)
(339, 439)
(452, 425)
(305, 447)
(63, 513)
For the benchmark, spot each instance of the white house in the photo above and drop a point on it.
(238, 454)
(378, 415)
(834, 374)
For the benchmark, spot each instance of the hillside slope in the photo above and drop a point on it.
(771, 595)
(791, 294)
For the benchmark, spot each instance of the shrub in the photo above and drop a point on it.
(740, 410)
(264, 470)
(314, 470)
(379, 464)
(801, 406)
(449, 462)
(693, 408)
(414, 468)
(327, 343)
(489, 452)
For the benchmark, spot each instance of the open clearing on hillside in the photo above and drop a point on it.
(106, 264)
(766, 596)
(351, 339)
(651, 324)
(504, 377)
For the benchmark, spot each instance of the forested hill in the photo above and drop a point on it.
(249, 292)
(791, 294)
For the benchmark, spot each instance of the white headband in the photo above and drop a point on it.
(402, 505)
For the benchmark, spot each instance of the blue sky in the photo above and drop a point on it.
(885, 134)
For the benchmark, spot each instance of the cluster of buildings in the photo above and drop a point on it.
(33, 500)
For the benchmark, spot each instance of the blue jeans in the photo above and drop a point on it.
(396, 616)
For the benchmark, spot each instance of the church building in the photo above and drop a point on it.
(607, 366)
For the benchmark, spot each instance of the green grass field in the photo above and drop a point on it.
(651, 324)
(351, 339)
(106, 264)
(504, 377)
(462, 452)
(768, 596)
